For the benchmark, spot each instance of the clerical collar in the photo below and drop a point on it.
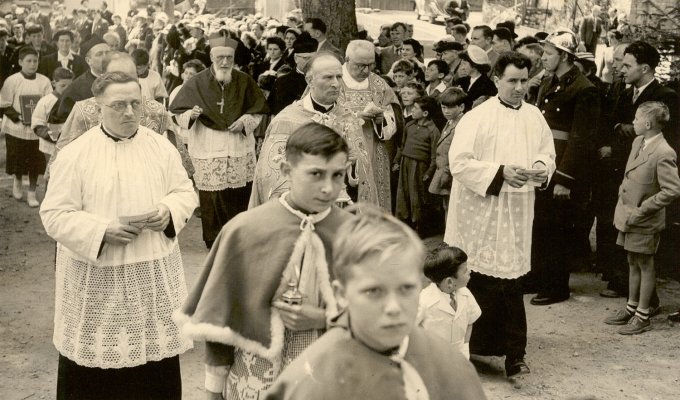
(28, 76)
(321, 107)
(508, 105)
(114, 138)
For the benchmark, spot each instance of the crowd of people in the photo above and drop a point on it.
(315, 173)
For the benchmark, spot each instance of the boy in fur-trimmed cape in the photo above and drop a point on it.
(235, 306)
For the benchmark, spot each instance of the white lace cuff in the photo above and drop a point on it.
(250, 122)
(215, 378)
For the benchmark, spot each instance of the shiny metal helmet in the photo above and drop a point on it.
(563, 39)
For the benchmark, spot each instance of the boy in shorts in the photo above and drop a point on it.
(650, 183)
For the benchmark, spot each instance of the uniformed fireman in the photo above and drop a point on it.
(571, 106)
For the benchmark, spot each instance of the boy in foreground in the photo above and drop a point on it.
(374, 350)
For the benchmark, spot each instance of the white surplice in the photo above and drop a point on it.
(495, 231)
(113, 309)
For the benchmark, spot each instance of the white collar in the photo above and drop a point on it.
(352, 83)
(473, 80)
(321, 43)
(307, 220)
(651, 140)
(643, 87)
(441, 87)
(69, 56)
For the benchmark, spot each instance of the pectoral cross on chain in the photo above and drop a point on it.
(221, 104)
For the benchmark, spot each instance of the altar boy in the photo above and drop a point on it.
(373, 349)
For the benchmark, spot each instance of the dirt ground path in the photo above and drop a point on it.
(572, 354)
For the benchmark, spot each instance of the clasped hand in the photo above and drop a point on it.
(514, 175)
(301, 317)
(159, 221)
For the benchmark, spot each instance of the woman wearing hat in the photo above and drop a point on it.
(449, 50)
(473, 69)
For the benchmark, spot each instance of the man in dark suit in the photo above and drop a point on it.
(120, 30)
(291, 86)
(390, 54)
(638, 66)
(99, 25)
(317, 30)
(83, 26)
(34, 39)
(106, 14)
(570, 105)
(64, 57)
(81, 88)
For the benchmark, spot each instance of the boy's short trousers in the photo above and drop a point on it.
(643, 243)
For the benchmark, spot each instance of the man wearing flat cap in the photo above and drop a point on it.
(224, 106)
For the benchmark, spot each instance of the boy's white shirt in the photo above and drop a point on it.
(436, 315)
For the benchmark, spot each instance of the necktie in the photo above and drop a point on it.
(636, 94)
(453, 302)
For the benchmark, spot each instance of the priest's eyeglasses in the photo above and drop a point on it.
(121, 106)
(362, 67)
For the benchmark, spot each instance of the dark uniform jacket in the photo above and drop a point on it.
(571, 104)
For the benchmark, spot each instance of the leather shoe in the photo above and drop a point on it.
(610, 294)
(674, 317)
(516, 367)
(543, 300)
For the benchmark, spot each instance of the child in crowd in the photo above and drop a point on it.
(48, 135)
(415, 161)
(409, 93)
(402, 73)
(373, 349)
(447, 307)
(18, 97)
(650, 183)
(149, 80)
(190, 68)
(435, 72)
(452, 102)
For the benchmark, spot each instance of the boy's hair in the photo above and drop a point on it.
(657, 113)
(27, 51)
(444, 262)
(420, 90)
(644, 53)
(453, 96)
(441, 65)
(140, 56)
(62, 73)
(371, 232)
(195, 64)
(520, 61)
(316, 140)
(428, 104)
(403, 66)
